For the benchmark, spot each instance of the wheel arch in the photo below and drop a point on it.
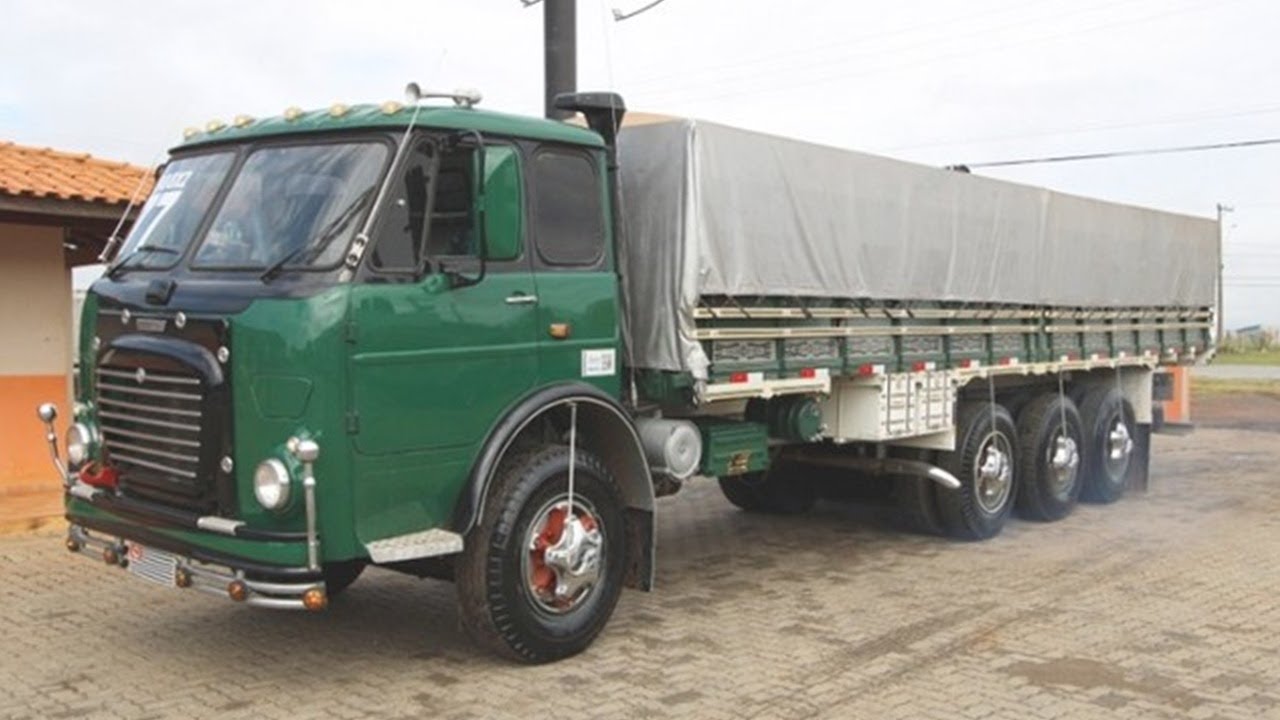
(612, 437)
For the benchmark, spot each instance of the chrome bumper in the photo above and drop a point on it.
(211, 578)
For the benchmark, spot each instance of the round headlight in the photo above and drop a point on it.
(79, 444)
(271, 484)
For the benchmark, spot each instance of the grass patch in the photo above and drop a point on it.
(1210, 388)
(1249, 357)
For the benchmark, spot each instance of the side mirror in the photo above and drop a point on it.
(501, 205)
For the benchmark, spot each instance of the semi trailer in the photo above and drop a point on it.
(475, 346)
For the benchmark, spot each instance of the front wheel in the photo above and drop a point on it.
(541, 573)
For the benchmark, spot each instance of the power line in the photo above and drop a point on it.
(757, 87)
(619, 15)
(1166, 120)
(844, 42)
(1124, 153)
(863, 52)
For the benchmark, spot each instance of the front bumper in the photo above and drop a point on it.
(209, 553)
(281, 588)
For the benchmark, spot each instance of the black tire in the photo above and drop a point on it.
(783, 489)
(338, 576)
(496, 573)
(1105, 478)
(976, 511)
(1048, 492)
(917, 497)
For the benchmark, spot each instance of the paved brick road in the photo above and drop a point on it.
(1160, 606)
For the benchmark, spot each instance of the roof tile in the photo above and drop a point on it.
(47, 173)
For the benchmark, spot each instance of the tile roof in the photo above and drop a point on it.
(52, 174)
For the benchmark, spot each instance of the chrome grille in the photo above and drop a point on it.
(152, 421)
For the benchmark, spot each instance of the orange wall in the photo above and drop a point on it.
(35, 352)
(24, 456)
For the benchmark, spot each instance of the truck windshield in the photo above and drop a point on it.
(172, 214)
(299, 202)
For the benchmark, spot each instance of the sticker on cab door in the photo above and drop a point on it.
(599, 363)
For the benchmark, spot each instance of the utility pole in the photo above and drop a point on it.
(560, 48)
(1222, 209)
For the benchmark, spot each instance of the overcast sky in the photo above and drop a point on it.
(925, 80)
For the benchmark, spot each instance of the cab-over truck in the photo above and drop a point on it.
(475, 346)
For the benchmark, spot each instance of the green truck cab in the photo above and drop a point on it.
(393, 335)
(330, 334)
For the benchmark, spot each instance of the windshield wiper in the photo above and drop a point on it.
(321, 243)
(123, 263)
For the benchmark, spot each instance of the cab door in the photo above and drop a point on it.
(578, 334)
(435, 358)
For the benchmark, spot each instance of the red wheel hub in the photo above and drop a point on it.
(542, 578)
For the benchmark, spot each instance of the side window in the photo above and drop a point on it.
(399, 242)
(449, 226)
(453, 216)
(565, 209)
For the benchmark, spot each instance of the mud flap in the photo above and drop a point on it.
(641, 548)
(1140, 462)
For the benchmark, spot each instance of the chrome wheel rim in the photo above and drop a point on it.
(1119, 441)
(1063, 459)
(564, 555)
(993, 473)
(1117, 446)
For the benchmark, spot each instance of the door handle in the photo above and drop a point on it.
(521, 299)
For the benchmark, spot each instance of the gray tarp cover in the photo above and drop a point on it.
(715, 210)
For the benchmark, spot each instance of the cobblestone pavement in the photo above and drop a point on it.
(1161, 606)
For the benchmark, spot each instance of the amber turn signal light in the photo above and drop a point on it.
(73, 545)
(315, 600)
(110, 556)
(237, 591)
(182, 578)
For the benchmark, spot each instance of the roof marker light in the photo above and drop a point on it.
(242, 121)
(391, 107)
(214, 125)
(291, 113)
(338, 110)
(188, 133)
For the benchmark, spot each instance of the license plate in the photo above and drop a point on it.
(156, 566)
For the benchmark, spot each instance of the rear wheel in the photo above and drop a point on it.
(985, 461)
(1109, 430)
(1049, 445)
(783, 489)
(539, 576)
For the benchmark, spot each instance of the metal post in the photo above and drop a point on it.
(307, 452)
(559, 19)
(1221, 264)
